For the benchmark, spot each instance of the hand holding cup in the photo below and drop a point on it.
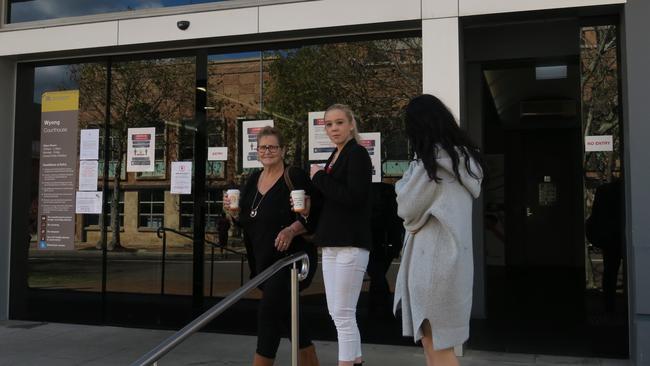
(300, 202)
(231, 201)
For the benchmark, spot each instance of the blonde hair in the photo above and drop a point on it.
(350, 116)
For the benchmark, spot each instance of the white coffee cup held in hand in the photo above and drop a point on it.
(233, 197)
(298, 198)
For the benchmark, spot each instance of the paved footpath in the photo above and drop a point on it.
(54, 344)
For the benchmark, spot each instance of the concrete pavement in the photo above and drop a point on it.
(54, 344)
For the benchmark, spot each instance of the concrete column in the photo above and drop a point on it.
(636, 123)
(441, 61)
(7, 93)
(441, 68)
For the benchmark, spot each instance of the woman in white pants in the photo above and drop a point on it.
(343, 229)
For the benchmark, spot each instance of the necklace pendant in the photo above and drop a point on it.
(253, 213)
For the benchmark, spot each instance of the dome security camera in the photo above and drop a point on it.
(183, 24)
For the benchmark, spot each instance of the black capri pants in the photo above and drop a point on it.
(274, 315)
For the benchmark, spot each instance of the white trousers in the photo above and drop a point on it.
(343, 270)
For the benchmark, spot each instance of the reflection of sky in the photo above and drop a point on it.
(234, 56)
(31, 10)
(51, 78)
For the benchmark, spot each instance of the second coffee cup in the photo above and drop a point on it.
(233, 196)
(298, 197)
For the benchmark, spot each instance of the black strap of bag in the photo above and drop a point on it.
(287, 179)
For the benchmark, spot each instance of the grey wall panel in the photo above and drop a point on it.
(641, 258)
(636, 78)
(7, 92)
(643, 340)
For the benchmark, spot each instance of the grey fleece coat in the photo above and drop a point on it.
(435, 277)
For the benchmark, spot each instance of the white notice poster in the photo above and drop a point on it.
(88, 175)
(89, 202)
(217, 153)
(599, 143)
(250, 129)
(141, 150)
(181, 177)
(372, 142)
(320, 146)
(89, 145)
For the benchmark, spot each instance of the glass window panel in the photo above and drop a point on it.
(376, 78)
(600, 113)
(33, 10)
(158, 208)
(213, 210)
(159, 94)
(79, 269)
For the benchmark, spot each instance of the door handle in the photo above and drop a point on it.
(529, 213)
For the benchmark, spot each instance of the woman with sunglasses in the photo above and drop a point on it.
(271, 231)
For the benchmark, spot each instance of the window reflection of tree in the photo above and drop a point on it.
(376, 78)
(144, 93)
(601, 116)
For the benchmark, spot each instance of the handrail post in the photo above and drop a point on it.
(164, 253)
(296, 275)
(294, 315)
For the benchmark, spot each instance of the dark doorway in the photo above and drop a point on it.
(542, 183)
(537, 299)
(538, 87)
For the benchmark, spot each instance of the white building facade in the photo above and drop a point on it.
(454, 57)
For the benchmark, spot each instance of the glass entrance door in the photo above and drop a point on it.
(544, 278)
(159, 114)
(152, 125)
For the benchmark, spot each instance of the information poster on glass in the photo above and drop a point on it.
(181, 177)
(88, 173)
(58, 165)
(320, 146)
(141, 149)
(89, 145)
(89, 202)
(218, 153)
(250, 129)
(372, 142)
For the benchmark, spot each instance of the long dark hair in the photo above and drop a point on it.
(430, 126)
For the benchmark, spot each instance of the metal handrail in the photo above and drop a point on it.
(177, 338)
(161, 232)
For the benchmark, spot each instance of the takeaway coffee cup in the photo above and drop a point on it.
(233, 196)
(298, 197)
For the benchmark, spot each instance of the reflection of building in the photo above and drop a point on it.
(145, 201)
(476, 55)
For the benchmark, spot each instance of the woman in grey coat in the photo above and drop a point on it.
(434, 197)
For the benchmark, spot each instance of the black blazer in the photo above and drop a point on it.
(346, 206)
